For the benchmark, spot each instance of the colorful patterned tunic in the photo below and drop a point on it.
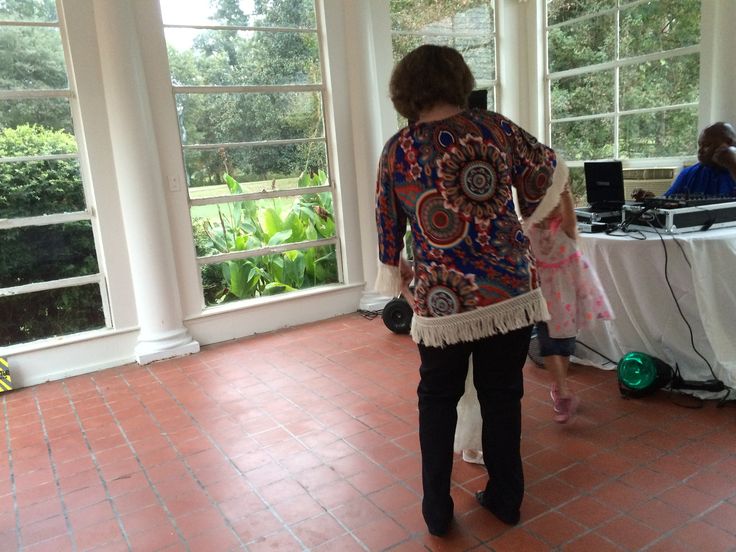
(452, 180)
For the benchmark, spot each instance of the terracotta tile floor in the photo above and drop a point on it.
(306, 439)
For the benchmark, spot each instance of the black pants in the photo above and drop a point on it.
(498, 378)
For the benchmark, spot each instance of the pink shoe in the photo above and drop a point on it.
(554, 393)
(565, 409)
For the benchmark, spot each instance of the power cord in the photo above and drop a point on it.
(595, 351)
(623, 226)
(682, 315)
(370, 315)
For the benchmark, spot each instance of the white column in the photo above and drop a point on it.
(520, 61)
(717, 66)
(140, 186)
(370, 63)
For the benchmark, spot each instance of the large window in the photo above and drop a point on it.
(50, 281)
(466, 25)
(247, 80)
(623, 79)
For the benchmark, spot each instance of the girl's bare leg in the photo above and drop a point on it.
(557, 366)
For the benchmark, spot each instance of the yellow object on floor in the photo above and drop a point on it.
(5, 381)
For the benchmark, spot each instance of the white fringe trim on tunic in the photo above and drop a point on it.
(388, 280)
(502, 317)
(552, 197)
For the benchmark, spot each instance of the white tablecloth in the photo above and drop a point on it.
(634, 274)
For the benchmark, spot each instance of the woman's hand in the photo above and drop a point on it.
(407, 272)
(407, 275)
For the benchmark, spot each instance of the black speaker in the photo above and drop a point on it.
(397, 315)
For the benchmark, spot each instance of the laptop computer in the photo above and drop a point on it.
(604, 185)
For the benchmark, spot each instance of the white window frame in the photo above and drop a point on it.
(321, 89)
(89, 214)
(616, 65)
(492, 35)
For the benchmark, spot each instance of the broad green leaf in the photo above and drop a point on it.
(238, 282)
(275, 288)
(280, 237)
(232, 184)
(270, 221)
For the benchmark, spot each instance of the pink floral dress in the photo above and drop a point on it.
(575, 297)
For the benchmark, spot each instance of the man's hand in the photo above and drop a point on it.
(640, 194)
(725, 156)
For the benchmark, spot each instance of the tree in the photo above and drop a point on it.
(44, 253)
(645, 28)
(227, 57)
(33, 59)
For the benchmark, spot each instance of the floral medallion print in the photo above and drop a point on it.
(441, 227)
(470, 176)
(441, 291)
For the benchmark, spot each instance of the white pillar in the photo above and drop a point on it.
(140, 186)
(371, 61)
(717, 66)
(520, 62)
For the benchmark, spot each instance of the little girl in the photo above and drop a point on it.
(574, 298)
(573, 293)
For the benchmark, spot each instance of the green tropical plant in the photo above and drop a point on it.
(249, 225)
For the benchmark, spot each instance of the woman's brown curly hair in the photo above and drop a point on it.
(427, 76)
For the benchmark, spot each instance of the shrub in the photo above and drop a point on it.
(49, 252)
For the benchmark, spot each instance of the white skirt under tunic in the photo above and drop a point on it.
(469, 422)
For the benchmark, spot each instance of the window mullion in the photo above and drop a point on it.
(264, 251)
(260, 195)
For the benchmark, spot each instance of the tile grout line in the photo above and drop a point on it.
(57, 482)
(11, 474)
(182, 459)
(196, 423)
(377, 464)
(100, 475)
(151, 485)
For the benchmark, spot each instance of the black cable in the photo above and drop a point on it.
(682, 250)
(370, 315)
(679, 309)
(623, 226)
(596, 352)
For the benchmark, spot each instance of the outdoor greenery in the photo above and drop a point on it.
(228, 57)
(43, 253)
(668, 82)
(229, 131)
(38, 187)
(247, 225)
(33, 59)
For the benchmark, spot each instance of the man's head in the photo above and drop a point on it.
(711, 138)
(427, 76)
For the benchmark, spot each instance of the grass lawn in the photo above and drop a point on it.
(210, 211)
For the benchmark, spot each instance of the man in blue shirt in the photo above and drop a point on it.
(715, 173)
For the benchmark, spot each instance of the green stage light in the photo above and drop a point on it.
(640, 374)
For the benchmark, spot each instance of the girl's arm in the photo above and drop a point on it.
(567, 208)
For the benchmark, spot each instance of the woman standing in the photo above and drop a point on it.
(450, 174)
